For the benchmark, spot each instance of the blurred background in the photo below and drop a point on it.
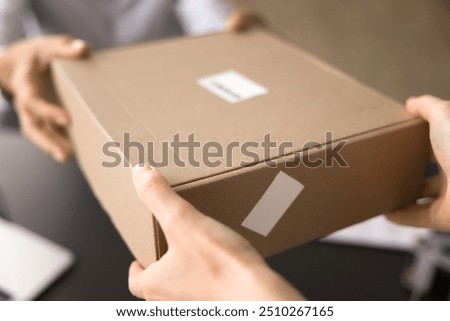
(401, 48)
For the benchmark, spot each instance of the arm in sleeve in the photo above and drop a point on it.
(12, 16)
(203, 16)
(12, 28)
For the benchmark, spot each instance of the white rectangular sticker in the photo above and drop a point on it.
(232, 86)
(280, 195)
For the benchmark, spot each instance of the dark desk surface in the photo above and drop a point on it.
(56, 202)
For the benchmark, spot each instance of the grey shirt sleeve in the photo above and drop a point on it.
(203, 16)
(12, 28)
(12, 15)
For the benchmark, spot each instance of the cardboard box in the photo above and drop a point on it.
(153, 92)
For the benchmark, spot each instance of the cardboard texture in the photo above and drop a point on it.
(152, 92)
(370, 40)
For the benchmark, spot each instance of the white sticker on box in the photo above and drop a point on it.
(272, 206)
(232, 86)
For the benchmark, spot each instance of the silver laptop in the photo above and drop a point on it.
(29, 263)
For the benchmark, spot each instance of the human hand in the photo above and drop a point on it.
(205, 261)
(24, 75)
(437, 214)
(242, 20)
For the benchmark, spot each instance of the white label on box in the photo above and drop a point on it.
(232, 86)
(280, 195)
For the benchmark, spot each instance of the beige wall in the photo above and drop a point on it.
(400, 47)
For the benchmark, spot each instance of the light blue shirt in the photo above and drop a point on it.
(108, 23)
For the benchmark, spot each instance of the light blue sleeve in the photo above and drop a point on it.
(12, 28)
(12, 17)
(203, 16)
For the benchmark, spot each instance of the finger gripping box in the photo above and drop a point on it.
(254, 131)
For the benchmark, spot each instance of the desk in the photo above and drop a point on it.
(56, 202)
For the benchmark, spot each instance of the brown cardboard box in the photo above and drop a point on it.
(155, 91)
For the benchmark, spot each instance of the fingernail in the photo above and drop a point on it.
(78, 44)
(425, 201)
(410, 98)
(59, 157)
(140, 168)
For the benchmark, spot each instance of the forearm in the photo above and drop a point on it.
(4, 71)
(5, 66)
(270, 286)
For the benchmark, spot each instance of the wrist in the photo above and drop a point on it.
(270, 286)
